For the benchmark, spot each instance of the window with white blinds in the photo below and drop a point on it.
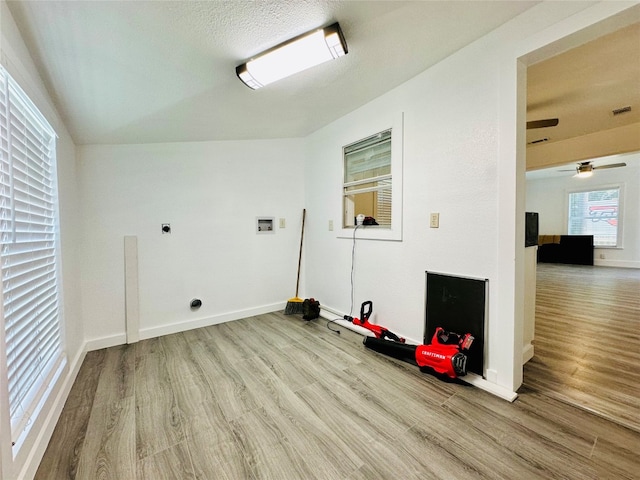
(28, 256)
(368, 182)
(596, 212)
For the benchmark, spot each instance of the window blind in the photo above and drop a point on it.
(28, 255)
(367, 179)
(595, 212)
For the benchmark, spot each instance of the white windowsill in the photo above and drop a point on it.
(371, 232)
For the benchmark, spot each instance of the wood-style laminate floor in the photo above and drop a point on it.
(275, 397)
(587, 339)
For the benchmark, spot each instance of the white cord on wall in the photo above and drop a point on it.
(353, 255)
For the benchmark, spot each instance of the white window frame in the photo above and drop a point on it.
(597, 188)
(354, 153)
(363, 130)
(28, 156)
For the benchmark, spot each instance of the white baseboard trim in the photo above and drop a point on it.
(487, 386)
(153, 332)
(208, 321)
(34, 457)
(616, 263)
(527, 353)
(470, 378)
(332, 314)
(105, 342)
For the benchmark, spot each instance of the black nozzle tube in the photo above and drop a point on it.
(401, 351)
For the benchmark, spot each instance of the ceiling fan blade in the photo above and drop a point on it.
(612, 165)
(547, 122)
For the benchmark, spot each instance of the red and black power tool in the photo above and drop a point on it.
(444, 354)
(380, 332)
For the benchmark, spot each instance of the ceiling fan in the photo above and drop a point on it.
(545, 122)
(585, 169)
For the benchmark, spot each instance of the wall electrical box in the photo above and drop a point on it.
(265, 224)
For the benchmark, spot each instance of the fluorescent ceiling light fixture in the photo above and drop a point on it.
(293, 56)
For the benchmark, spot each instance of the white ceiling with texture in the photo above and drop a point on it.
(164, 71)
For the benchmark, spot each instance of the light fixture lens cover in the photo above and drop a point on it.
(584, 170)
(293, 56)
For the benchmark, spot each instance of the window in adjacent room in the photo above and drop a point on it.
(597, 213)
(28, 255)
(367, 180)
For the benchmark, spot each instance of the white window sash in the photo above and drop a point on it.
(379, 178)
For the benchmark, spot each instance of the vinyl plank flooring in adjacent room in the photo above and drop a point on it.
(587, 339)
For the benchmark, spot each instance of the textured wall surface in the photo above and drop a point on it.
(211, 194)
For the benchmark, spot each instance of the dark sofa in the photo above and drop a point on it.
(572, 249)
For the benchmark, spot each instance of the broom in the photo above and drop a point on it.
(294, 305)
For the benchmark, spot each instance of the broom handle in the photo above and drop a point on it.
(304, 214)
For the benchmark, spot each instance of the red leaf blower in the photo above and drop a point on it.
(380, 332)
(444, 354)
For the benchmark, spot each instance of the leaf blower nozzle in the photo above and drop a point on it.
(459, 362)
(401, 351)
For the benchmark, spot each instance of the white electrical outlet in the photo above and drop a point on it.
(434, 220)
(331, 225)
(283, 223)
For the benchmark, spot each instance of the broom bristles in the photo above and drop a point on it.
(294, 306)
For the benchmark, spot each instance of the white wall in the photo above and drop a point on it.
(450, 167)
(15, 58)
(548, 197)
(460, 151)
(441, 174)
(210, 193)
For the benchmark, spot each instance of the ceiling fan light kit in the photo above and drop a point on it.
(293, 56)
(585, 169)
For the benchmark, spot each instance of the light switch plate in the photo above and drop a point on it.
(434, 220)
